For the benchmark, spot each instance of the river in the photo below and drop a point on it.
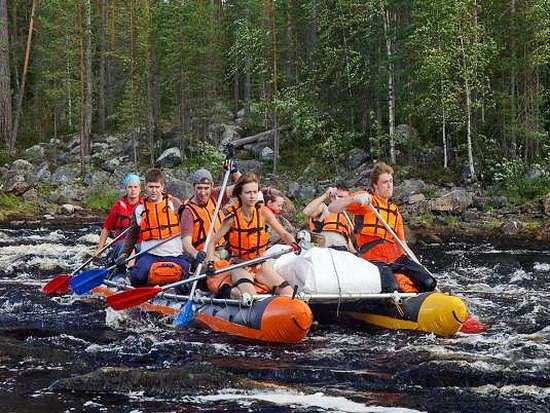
(71, 355)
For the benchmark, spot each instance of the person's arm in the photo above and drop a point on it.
(272, 221)
(314, 208)
(186, 227)
(131, 237)
(102, 239)
(217, 236)
(339, 204)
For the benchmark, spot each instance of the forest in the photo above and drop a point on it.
(467, 80)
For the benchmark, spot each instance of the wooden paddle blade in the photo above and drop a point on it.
(131, 298)
(473, 326)
(88, 280)
(185, 315)
(58, 285)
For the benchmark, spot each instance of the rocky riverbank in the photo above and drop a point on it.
(48, 184)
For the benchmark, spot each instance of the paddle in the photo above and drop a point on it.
(137, 296)
(87, 280)
(472, 325)
(60, 283)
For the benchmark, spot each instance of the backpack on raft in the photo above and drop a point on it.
(162, 273)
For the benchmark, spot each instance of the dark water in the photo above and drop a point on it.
(506, 369)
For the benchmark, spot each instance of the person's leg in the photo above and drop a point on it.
(240, 285)
(114, 252)
(268, 276)
(388, 283)
(139, 273)
(423, 280)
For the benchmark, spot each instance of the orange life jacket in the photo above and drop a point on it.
(202, 218)
(374, 241)
(247, 239)
(158, 220)
(333, 222)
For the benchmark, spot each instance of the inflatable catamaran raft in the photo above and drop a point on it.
(332, 286)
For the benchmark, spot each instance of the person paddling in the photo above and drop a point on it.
(154, 220)
(119, 218)
(335, 227)
(197, 213)
(374, 242)
(244, 227)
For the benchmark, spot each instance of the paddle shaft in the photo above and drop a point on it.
(158, 244)
(97, 254)
(403, 246)
(211, 229)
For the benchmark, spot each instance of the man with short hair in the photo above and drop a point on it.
(197, 214)
(374, 242)
(153, 221)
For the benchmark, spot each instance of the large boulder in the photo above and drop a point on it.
(250, 165)
(511, 227)
(455, 201)
(43, 174)
(96, 179)
(66, 174)
(66, 194)
(355, 158)
(170, 158)
(179, 188)
(19, 177)
(407, 188)
(298, 191)
(35, 153)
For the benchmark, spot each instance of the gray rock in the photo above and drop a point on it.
(65, 194)
(22, 167)
(546, 204)
(455, 201)
(416, 198)
(111, 165)
(62, 158)
(170, 158)
(471, 215)
(179, 188)
(298, 191)
(241, 113)
(65, 174)
(49, 217)
(534, 172)
(267, 154)
(250, 165)
(499, 201)
(481, 202)
(43, 174)
(67, 209)
(96, 179)
(511, 227)
(35, 153)
(406, 189)
(355, 158)
(31, 196)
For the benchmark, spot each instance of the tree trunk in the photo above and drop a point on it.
(274, 84)
(101, 109)
(5, 82)
(391, 92)
(131, 35)
(444, 137)
(89, 81)
(468, 111)
(68, 85)
(19, 104)
(150, 83)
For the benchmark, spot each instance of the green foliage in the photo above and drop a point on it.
(11, 204)
(204, 155)
(510, 178)
(102, 199)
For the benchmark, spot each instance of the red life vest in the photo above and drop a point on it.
(123, 211)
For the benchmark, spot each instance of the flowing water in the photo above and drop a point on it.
(46, 341)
